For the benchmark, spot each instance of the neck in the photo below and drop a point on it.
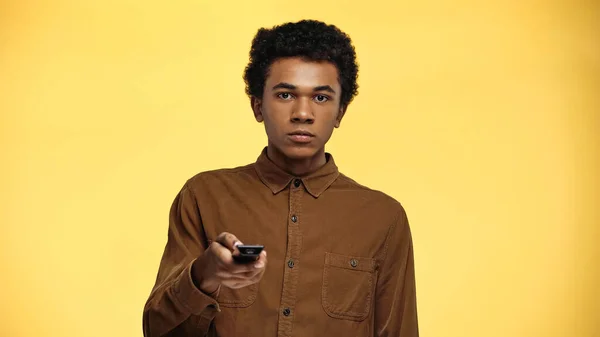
(296, 167)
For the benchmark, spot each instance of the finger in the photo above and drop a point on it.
(254, 275)
(240, 268)
(236, 281)
(249, 274)
(236, 284)
(248, 279)
(261, 263)
(227, 276)
(260, 270)
(228, 240)
(222, 254)
(257, 267)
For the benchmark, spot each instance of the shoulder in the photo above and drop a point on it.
(379, 201)
(221, 176)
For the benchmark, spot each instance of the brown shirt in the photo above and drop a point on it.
(340, 257)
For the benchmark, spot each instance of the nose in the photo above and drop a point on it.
(302, 112)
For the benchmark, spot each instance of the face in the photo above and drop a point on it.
(300, 107)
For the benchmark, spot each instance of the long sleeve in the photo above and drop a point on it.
(396, 305)
(176, 307)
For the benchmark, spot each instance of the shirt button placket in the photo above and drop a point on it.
(290, 278)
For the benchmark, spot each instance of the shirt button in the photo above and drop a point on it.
(286, 312)
(291, 263)
(353, 263)
(294, 218)
(297, 182)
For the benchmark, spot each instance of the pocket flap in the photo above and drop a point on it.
(350, 262)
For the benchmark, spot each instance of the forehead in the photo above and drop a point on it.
(302, 73)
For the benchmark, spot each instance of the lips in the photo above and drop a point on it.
(301, 133)
(301, 136)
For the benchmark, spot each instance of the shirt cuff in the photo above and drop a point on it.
(193, 299)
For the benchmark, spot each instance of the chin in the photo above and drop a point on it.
(299, 152)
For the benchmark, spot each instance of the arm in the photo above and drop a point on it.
(396, 305)
(176, 306)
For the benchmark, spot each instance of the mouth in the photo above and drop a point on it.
(301, 133)
(301, 136)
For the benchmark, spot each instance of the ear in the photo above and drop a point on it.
(340, 115)
(256, 104)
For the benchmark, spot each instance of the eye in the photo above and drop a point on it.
(284, 95)
(321, 98)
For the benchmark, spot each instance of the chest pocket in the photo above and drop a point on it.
(348, 286)
(237, 298)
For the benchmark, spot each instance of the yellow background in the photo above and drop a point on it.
(481, 117)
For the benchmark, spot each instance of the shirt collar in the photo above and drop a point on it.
(277, 179)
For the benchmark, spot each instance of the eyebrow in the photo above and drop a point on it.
(288, 86)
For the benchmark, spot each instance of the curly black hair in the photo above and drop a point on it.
(309, 39)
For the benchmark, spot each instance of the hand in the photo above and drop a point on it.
(216, 266)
